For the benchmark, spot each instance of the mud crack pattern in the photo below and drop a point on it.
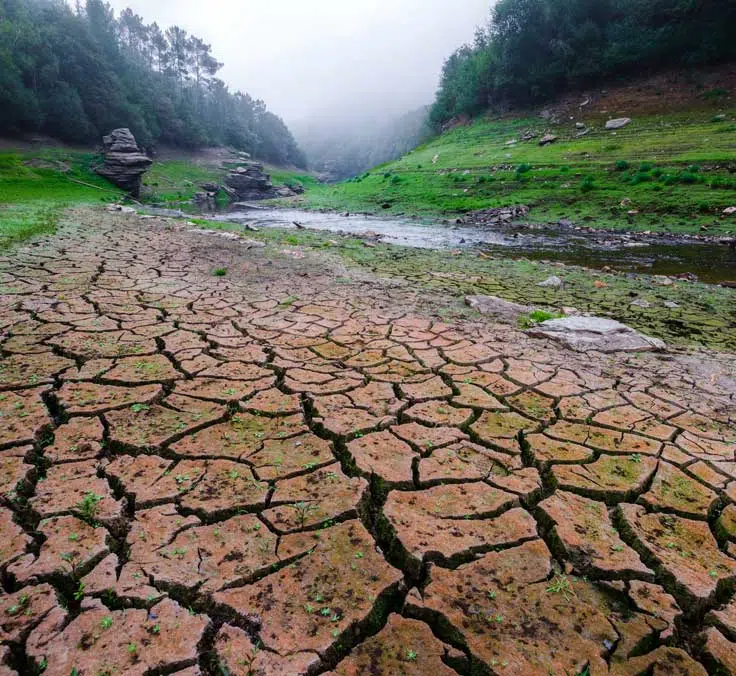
(286, 471)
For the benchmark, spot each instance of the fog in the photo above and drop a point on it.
(323, 60)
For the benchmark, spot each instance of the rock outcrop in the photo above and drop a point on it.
(584, 334)
(250, 182)
(125, 163)
(501, 310)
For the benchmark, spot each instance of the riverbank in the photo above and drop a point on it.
(683, 313)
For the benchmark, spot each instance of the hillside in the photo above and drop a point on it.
(671, 169)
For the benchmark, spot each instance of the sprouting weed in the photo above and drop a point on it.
(106, 622)
(560, 585)
(89, 505)
(411, 655)
(79, 594)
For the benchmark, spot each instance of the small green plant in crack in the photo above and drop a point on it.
(79, 593)
(140, 408)
(561, 585)
(106, 622)
(89, 505)
(17, 608)
(303, 510)
(288, 302)
(219, 272)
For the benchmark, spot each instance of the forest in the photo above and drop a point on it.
(75, 73)
(533, 50)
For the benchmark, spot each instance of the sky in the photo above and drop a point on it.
(314, 58)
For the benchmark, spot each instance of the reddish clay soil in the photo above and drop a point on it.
(294, 469)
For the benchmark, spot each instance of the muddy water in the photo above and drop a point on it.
(711, 262)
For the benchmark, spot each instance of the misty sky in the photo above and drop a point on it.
(305, 57)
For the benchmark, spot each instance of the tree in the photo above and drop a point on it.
(534, 49)
(76, 74)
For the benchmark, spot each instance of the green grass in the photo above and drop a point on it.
(672, 169)
(177, 180)
(36, 186)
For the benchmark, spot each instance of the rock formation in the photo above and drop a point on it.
(250, 182)
(125, 163)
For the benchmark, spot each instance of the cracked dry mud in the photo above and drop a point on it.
(291, 471)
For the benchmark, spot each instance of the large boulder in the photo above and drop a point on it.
(585, 334)
(250, 182)
(125, 163)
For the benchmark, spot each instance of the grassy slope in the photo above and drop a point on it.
(677, 177)
(35, 187)
(176, 180)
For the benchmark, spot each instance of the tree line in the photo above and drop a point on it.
(75, 73)
(532, 50)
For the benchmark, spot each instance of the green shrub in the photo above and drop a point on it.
(646, 166)
(622, 165)
(523, 168)
(587, 184)
(687, 178)
(640, 177)
(716, 93)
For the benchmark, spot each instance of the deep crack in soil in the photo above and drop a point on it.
(287, 470)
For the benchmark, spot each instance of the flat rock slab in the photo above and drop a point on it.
(595, 334)
(501, 310)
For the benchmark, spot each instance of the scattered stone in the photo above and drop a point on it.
(553, 282)
(618, 123)
(547, 139)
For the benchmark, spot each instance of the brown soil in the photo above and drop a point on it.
(294, 469)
